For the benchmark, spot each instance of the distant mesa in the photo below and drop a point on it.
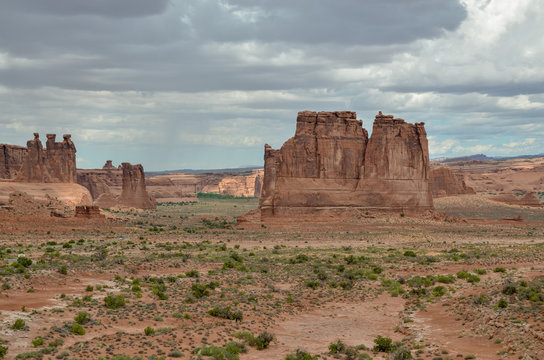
(331, 163)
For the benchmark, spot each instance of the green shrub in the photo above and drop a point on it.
(260, 342)
(24, 261)
(89, 288)
(337, 347)
(3, 351)
(82, 318)
(439, 291)
(410, 253)
(509, 289)
(114, 301)
(383, 344)
(37, 341)
(192, 273)
(499, 269)
(300, 355)
(148, 331)
(400, 354)
(19, 324)
(78, 329)
(63, 270)
(502, 304)
(226, 313)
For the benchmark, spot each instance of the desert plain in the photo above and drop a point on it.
(189, 281)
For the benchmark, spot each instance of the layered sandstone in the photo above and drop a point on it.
(122, 186)
(54, 164)
(331, 163)
(108, 180)
(11, 159)
(242, 185)
(89, 212)
(445, 182)
(134, 193)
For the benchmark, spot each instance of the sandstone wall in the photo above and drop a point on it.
(242, 185)
(11, 159)
(331, 163)
(54, 164)
(134, 193)
(108, 180)
(445, 182)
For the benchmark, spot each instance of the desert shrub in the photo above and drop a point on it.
(499, 270)
(192, 273)
(24, 261)
(63, 270)
(409, 253)
(509, 289)
(300, 355)
(78, 329)
(299, 259)
(260, 341)
(175, 354)
(230, 351)
(37, 341)
(114, 301)
(400, 354)
(393, 287)
(480, 271)
(337, 347)
(439, 291)
(201, 290)
(148, 331)
(445, 279)
(19, 324)
(89, 288)
(383, 344)
(226, 313)
(481, 299)
(82, 318)
(502, 304)
(312, 284)
(3, 351)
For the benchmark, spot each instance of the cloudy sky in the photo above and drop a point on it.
(206, 83)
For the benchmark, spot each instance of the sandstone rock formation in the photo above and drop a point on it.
(527, 199)
(242, 185)
(124, 186)
(89, 212)
(134, 192)
(445, 183)
(330, 163)
(54, 164)
(11, 159)
(108, 180)
(67, 193)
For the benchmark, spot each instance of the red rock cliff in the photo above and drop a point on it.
(54, 164)
(11, 159)
(445, 183)
(134, 193)
(331, 163)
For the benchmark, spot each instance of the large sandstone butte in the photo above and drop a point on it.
(124, 186)
(134, 193)
(445, 182)
(34, 164)
(331, 163)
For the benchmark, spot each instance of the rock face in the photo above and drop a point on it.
(243, 185)
(124, 186)
(331, 163)
(107, 180)
(54, 164)
(89, 212)
(445, 183)
(11, 159)
(134, 192)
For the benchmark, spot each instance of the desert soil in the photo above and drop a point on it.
(440, 289)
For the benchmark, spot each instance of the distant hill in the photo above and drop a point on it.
(483, 157)
(201, 171)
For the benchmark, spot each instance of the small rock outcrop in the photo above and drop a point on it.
(134, 193)
(445, 182)
(89, 212)
(331, 163)
(54, 164)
